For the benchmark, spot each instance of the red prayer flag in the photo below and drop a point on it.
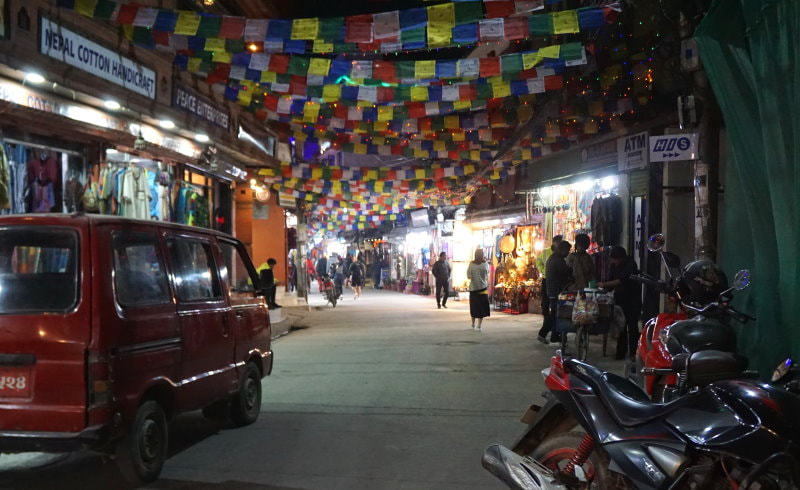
(391, 175)
(416, 110)
(219, 74)
(467, 92)
(490, 67)
(553, 82)
(385, 94)
(397, 150)
(425, 124)
(494, 103)
(367, 47)
(340, 111)
(161, 38)
(515, 28)
(359, 29)
(278, 63)
(438, 173)
(526, 74)
(499, 8)
(261, 114)
(232, 27)
(271, 103)
(297, 85)
(383, 70)
(454, 155)
(127, 14)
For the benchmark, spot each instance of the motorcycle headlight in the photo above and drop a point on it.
(663, 335)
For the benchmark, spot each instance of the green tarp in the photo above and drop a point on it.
(751, 52)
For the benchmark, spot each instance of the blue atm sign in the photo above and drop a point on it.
(672, 147)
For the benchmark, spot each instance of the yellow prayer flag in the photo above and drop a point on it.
(365, 103)
(379, 186)
(524, 112)
(475, 155)
(379, 140)
(469, 169)
(316, 173)
(527, 154)
(127, 31)
(380, 126)
(269, 77)
(245, 97)
(501, 90)
(331, 92)
(425, 69)
(550, 51)
(529, 60)
(460, 136)
(319, 66)
(565, 22)
(85, 7)
(311, 112)
(419, 94)
(187, 23)
(214, 44)
(439, 34)
(392, 217)
(372, 175)
(439, 145)
(221, 57)
(309, 197)
(385, 113)
(494, 80)
(420, 154)
(360, 149)
(461, 105)
(194, 65)
(322, 47)
(420, 172)
(305, 28)
(444, 13)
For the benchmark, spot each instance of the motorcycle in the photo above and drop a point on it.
(737, 434)
(329, 290)
(695, 327)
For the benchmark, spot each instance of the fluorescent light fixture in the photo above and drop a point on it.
(34, 78)
(166, 124)
(201, 138)
(112, 105)
(111, 151)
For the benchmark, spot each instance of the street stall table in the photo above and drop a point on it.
(594, 316)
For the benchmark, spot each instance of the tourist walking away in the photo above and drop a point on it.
(558, 275)
(478, 275)
(357, 275)
(337, 272)
(581, 263)
(628, 296)
(266, 275)
(441, 272)
(322, 270)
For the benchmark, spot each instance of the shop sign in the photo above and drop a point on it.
(672, 147)
(19, 94)
(73, 49)
(599, 155)
(632, 152)
(200, 106)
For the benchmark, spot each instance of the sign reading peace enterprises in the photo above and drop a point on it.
(188, 100)
(73, 49)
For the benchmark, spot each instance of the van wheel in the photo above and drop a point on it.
(142, 452)
(246, 404)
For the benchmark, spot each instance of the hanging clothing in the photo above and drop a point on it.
(5, 178)
(606, 216)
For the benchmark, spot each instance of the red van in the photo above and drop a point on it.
(111, 326)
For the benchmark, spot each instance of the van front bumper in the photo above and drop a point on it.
(52, 442)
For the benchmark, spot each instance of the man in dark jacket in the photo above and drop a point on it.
(628, 296)
(441, 272)
(558, 275)
(267, 277)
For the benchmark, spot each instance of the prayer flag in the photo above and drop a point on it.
(565, 22)
(425, 69)
(187, 24)
(305, 28)
(386, 25)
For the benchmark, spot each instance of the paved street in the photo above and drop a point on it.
(384, 393)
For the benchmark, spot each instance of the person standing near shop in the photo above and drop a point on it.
(628, 296)
(357, 274)
(478, 274)
(540, 265)
(441, 272)
(376, 272)
(581, 263)
(266, 274)
(558, 275)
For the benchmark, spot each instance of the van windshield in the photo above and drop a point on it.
(38, 269)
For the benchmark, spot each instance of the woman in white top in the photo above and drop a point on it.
(478, 274)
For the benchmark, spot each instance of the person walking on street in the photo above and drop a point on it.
(441, 272)
(581, 263)
(357, 274)
(478, 274)
(628, 296)
(322, 270)
(558, 275)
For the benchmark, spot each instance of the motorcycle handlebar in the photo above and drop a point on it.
(650, 281)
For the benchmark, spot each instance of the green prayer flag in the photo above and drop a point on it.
(403, 93)
(345, 47)
(234, 45)
(511, 63)
(416, 35)
(437, 124)
(142, 35)
(209, 26)
(316, 91)
(468, 12)
(484, 91)
(404, 69)
(104, 9)
(326, 110)
(283, 78)
(540, 25)
(298, 65)
(400, 113)
(331, 29)
(571, 51)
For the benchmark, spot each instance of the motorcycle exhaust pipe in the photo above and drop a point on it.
(518, 472)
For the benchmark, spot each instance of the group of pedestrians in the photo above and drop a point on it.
(574, 272)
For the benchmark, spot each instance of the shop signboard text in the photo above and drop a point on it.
(632, 152)
(672, 147)
(199, 106)
(73, 49)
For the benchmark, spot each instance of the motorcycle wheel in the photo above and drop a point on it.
(556, 451)
(333, 299)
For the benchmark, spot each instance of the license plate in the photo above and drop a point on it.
(15, 382)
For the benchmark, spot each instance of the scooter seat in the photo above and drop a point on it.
(626, 402)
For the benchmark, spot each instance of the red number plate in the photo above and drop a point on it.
(15, 383)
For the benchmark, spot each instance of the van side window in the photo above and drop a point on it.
(241, 278)
(195, 273)
(139, 275)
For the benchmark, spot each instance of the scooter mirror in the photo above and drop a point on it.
(656, 242)
(741, 280)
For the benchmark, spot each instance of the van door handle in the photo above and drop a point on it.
(240, 315)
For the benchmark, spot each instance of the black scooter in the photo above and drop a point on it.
(737, 434)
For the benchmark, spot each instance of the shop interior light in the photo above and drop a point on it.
(609, 183)
(585, 185)
(166, 124)
(34, 78)
(111, 151)
(112, 105)
(201, 138)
